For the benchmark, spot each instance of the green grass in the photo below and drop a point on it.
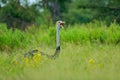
(88, 52)
(73, 63)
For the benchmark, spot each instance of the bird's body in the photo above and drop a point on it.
(59, 25)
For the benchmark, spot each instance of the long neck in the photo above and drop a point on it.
(57, 41)
(57, 36)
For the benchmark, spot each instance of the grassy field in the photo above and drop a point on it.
(88, 52)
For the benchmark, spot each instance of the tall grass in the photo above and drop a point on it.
(79, 34)
(10, 39)
(76, 61)
(92, 34)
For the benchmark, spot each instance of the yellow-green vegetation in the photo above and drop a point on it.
(88, 52)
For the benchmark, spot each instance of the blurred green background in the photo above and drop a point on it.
(23, 13)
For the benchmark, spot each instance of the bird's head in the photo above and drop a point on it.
(60, 23)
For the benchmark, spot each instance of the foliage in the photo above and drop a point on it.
(75, 62)
(88, 51)
(10, 39)
(92, 33)
(20, 13)
(82, 11)
(16, 15)
(96, 32)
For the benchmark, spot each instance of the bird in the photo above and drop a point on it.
(59, 25)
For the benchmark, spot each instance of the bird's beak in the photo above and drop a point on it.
(62, 25)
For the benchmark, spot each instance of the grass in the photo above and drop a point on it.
(81, 58)
(73, 63)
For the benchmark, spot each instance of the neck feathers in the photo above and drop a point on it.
(57, 41)
(57, 36)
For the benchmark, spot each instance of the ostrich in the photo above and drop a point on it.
(59, 25)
